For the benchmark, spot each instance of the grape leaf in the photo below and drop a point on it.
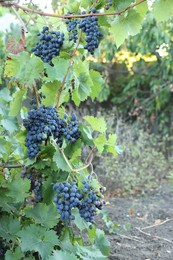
(20, 187)
(98, 124)
(125, 25)
(60, 161)
(89, 252)
(50, 90)
(9, 227)
(162, 9)
(25, 68)
(38, 239)
(16, 104)
(43, 214)
(97, 83)
(58, 71)
(62, 255)
(79, 222)
(17, 254)
(102, 242)
(100, 142)
(9, 125)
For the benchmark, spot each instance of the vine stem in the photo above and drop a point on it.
(26, 9)
(12, 166)
(68, 69)
(90, 158)
(36, 96)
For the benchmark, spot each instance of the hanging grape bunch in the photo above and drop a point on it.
(44, 122)
(36, 183)
(49, 45)
(86, 199)
(89, 25)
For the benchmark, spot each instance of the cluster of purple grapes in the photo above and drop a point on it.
(45, 122)
(49, 45)
(36, 184)
(89, 25)
(109, 3)
(86, 199)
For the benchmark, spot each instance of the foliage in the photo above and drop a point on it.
(142, 163)
(140, 77)
(30, 226)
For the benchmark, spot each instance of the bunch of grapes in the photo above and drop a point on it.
(45, 122)
(89, 25)
(49, 45)
(68, 197)
(109, 3)
(91, 201)
(87, 200)
(36, 183)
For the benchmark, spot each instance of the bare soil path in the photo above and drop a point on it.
(146, 226)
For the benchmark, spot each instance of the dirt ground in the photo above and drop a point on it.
(146, 225)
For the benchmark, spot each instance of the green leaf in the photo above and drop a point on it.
(16, 104)
(100, 142)
(62, 255)
(110, 145)
(162, 9)
(102, 242)
(2, 146)
(50, 90)
(43, 214)
(79, 222)
(98, 124)
(38, 239)
(20, 187)
(25, 68)
(86, 134)
(89, 252)
(9, 227)
(58, 71)
(97, 83)
(125, 25)
(83, 81)
(17, 254)
(9, 124)
(60, 161)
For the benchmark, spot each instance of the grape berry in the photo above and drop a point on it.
(86, 199)
(45, 122)
(49, 45)
(109, 3)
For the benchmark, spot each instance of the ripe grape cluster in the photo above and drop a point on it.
(89, 25)
(36, 183)
(49, 45)
(86, 199)
(45, 122)
(109, 3)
